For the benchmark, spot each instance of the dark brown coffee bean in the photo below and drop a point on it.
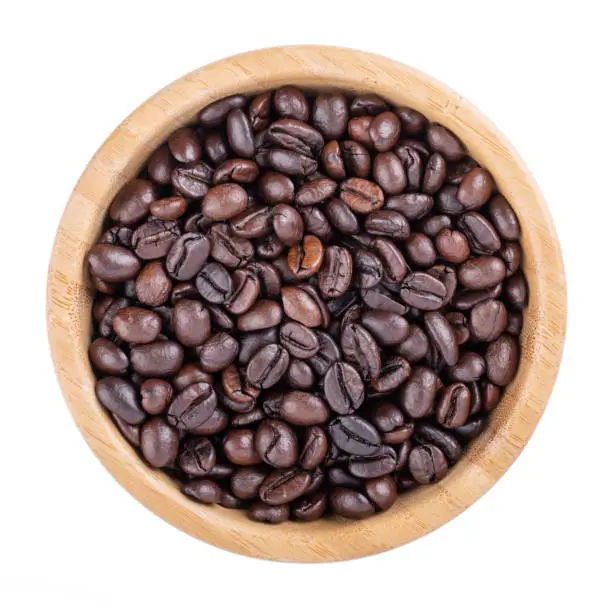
(341, 216)
(368, 269)
(315, 192)
(269, 278)
(185, 145)
(316, 223)
(359, 130)
(154, 239)
(328, 354)
(516, 291)
(189, 374)
(264, 513)
(224, 202)
(434, 174)
(159, 442)
(361, 196)
(382, 491)
(197, 457)
(215, 147)
(387, 327)
(240, 133)
(239, 447)
(290, 102)
(284, 485)
(481, 234)
(423, 291)
(504, 219)
(385, 131)
(245, 482)
(482, 272)
(228, 249)
(490, 395)
(470, 368)
(301, 408)
(453, 407)
(388, 171)
(299, 341)
(156, 395)
(310, 508)
(288, 224)
(472, 428)
(216, 423)
(392, 259)
(214, 283)
(426, 433)
(169, 209)
(417, 396)
(267, 366)
(475, 189)
(330, 115)
(356, 157)
(246, 288)
(191, 322)
(299, 375)
(137, 325)
(275, 188)
(314, 449)
(236, 171)
(453, 246)
(511, 253)
(220, 318)
(502, 358)
(264, 314)
(192, 180)
(343, 388)
(259, 111)
(465, 300)
(132, 202)
(413, 206)
(354, 435)
(203, 490)
(427, 464)
(336, 272)
(379, 464)
(332, 161)
(488, 320)
(120, 397)
(420, 250)
(350, 504)
(218, 352)
(160, 166)
(251, 343)
(216, 113)
(114, 264)
(159, 358)
(442, 336)
(300, 306)
(389, 223)
(456, 171)
(108, 357)
(515, 323)
(360, 349)
(445, 142)
(193, 406)
(394, 372)
(276, 443)
(415, 346)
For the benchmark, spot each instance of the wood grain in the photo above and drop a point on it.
(119, 159)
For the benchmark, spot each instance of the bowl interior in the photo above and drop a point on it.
(316, 68)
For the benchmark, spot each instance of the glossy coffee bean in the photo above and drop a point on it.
(387, 327)
(481, 234)
(389, 223)
(265, 513)
(426, 433)
(197, 457)
(502, 359)
(310, 508)
(300, 341)
(288, 224)
(393, 373)
(191, 322)
(354, 435)
(169, 209)
(443, 141)
(360, 349)
(482, 272)
(385, 131)
(185, 145)
(301, 408)
(343, 388)
(305, 258)
(382, 491)
(254, 222)
(133, 202)
(156, 395)
(158, 358)
(224, 202)
(159, 442)
(188, 374)
(267, 366)
(470, 368)
(423, 291)
(276, 443)
(503, 218)
(434, 174)
(107, 357)
(214, 114)
(417, 396)
(154, 239)
(388, 171)
(420, 250)
(516, 291)
(160, 166)
(192, 180)
(314, 449)
(453, 246)
(284, 485)
(245, 481)
(336, 272)
(442, 336)
(214, 283)
(427, 463)
(193, 406)
(112, 263)
(137, 325)
(361, 196)
(290, 102)
(218, 352)
(239, 447)
(380, 464)
(453, 407)
(356, 158)
(488, 320)
(120, 397)
(475, 189)
(246, 290)
(350, 504)
(300, 306)
(240, 133)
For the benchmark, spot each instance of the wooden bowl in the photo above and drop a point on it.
(120, 158)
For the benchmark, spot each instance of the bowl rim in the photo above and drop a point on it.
(316, 67)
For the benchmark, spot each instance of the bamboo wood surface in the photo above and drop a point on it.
(120, 158)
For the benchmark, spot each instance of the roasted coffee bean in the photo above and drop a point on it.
(302, 408)
(291, 163)
(117, 235)
(453, 246)
(336, 272)
(360, 349)
(137, 325)
(417, 396)
(413, 206)
(470, 367)
(228, 249)
(456, 171)
(300, 306)
(350, 504)
(214, 114)
(316, 223)
(466, 299)
(482, 272)
(288, 224)
(191, 322)
(299, 375)
(265, 513)
(215, 147)
(425, 433)
(254, 222)
(511, 253)
(341, 216)
(314, 449)
(305, 258)
(394, 372)
(267, 366)
(392, 259)
(284, 485)
(328, 354)
(504, 219)
(193, 406)
(415, 346)
(445, 142)
(427, 464)
(269, 278)
(379, 464)
(423, 291)
(259, 111)
(159, 442)
(432, 226)
(388, 171)
(159, 358)
(502, 359)
(119, 396)
(310, 508)
(112, 263)
(241, 393)
(245, 482)
(379, 298)
(354, 435)
(332, 161)
(434, 174)
(237, 171)
(413, 122)
(481, 234)
(420, 250)
(197, 457)
(276, 443)
(275, 188)
(218, 352)
(385, 131)
(453, 406)
(263, 314)
(185, 146)
(330, 115)
(224, 202)
(515, 323)
(488, 320)
(339, 477)
(219, 318)
(295, 136)
(343, 388)
(169, 209)
(361, 196)
(300, 341)
(203, 490)
(315, 192)
(132, 202)
(490, 396)
(290, 102)
(154, 239)
(475, 189)
(160, 166)
(189, 374)
(240, 133)
(356, 157)
(472, 428)
(246, 289)
(252, 342)
(130, 432)
(368, 269)
(239, 447)
(192, 180)
(388, 328)
(516, 291)
(367, 104)
(156, 395)
(107, 357)
(389, 223)
(382, 491)
(359, 130)
(412, 163)
(214, 283)
(442, 336)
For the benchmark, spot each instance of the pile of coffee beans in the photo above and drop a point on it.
(306, 304)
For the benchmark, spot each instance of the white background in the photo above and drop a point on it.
(72, 539)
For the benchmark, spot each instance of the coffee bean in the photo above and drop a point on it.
(269, 278)
(239, 447)
(300, 306)
(488, 320)
(169, 209)
(224, 202)
(120, 397)
(259, 111)
(475, 189)
(284, 485)
(185, 145)
(379, 464)
(214, 114)
(288, 224)
(290, 102)
(137, 325)
(301, 408)
(445, 142)
(504, 219)
(229, 250)
(132, 202)
(316, 223)
(245, 482)
(193, 406)
(415, 346)
(156, 395)
(432, 226)
(502, 359)
(466, 299)
(356, 157)
(252, 342)
(159, 358)
(360, 349)
(275, 188)
(291, 163)
(426, 433)
(394, 372)
(382, 491)
(188, 374)
(215, 147)
(160, 166)
(361, 196)
(108, 357)
(299, 375)
(516, 291)
(456, 171)
(315, 192)
(328, 354)
(267, 366)
(392, 259)
(203, 490)
(350, 504)
(237, 171)
(305, 258)
(442, 336)
(310, 508)
(112, 263)
(420, 250)
(218, 352)
(154, 239)
(300, 341)
(453, 246)
(336, 272)
(354, 435)
(388, 171)
(434, 174)
(515, 323)
(480, 233)
(214, 283)
(413, 206)
(197, 457)
(330, 115)
(191, 322)
(417, 396)
(246, 289)
(482, 272)
(314, 449)
(367, 104)
(343, 388)
(453, 407)
(427, 464)
(192, 180)
(276, 443)
(511, 253)
(240, 133)
(389, 223)
(423, 291)
(387, 327)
